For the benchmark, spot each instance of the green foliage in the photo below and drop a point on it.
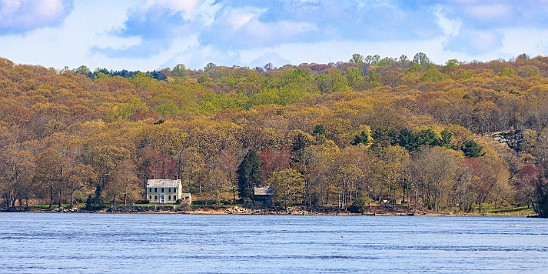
(372, 59)
(332, 81)
(408, 139)
(179, 71)
(468, 74)
(361, 204)
(300, 142)
(319, 130)
(507, 72)
(428, 137)
(167, 109)
(446, 136)
(471, 149)
(541, 199)
(210, 67)
(188, 123)
(362, 138)
(249, 174)
(415, 67)
(452, 64)
(384, 137)
(89, 202)
(357, 58)
(218, 102)
(288, 187)
(432, 75)
(294, 78)
(421, 59)
(125, 111)
(276, 97)
(95, 202)
(355, 78)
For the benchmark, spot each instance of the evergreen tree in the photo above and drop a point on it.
(541, 202)
(408, 139)
(384, 137)
(319, 133)
(89, 202)
(98, 195)
(446, 136)
(472, 149)
(249, 174)
(300, 142)
(362, 138)
(428, 137)
(319, 130)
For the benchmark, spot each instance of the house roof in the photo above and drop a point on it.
(163, 183)
(263, 191)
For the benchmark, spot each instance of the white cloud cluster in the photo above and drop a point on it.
(20, 16)
(153, 34)
(483, 27)
(189, 10)
(243, 28)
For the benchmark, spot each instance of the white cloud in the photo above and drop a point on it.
(237, 18)
(20, 16)
(450, 27)
(154, 34)
(475, 42)
(242, 28)
(189, 10)
(273, 58)
(488, 12)
(513, 43)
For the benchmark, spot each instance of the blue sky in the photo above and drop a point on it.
(155, 34)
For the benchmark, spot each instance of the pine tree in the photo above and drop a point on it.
(472, 149)
(249, 174)
(362, 138)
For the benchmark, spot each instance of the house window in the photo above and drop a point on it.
(169, 197)
(150, 197)
(155, 189)
(155, 197)
(169, 190)
(174, 198)
(162, 189)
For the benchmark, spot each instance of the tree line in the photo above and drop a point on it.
(323, 135)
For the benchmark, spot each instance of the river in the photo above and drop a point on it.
(172, 243)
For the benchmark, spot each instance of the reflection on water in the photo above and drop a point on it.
(147, 243)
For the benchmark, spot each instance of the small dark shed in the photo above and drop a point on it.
(263, 196)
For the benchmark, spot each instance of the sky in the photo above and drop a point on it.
(155, 34)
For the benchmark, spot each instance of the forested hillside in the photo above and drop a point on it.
(446, 137)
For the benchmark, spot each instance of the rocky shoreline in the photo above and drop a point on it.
(159, 209)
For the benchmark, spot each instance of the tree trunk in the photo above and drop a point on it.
(50, 195)
(60, 196)
(71, 199)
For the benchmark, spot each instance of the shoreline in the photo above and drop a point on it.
(261, 211)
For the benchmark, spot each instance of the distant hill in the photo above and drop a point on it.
(369, 129)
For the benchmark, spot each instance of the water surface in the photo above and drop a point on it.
(153, 243)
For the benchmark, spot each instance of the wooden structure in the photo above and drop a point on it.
(166, 191)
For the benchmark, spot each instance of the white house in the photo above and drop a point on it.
(166, 191)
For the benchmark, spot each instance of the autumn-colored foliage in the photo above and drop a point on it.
(372, 128)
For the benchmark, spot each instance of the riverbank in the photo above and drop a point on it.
(238, 210)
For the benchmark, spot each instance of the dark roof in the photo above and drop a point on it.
(263, 191)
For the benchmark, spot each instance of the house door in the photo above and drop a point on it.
(162, 198)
